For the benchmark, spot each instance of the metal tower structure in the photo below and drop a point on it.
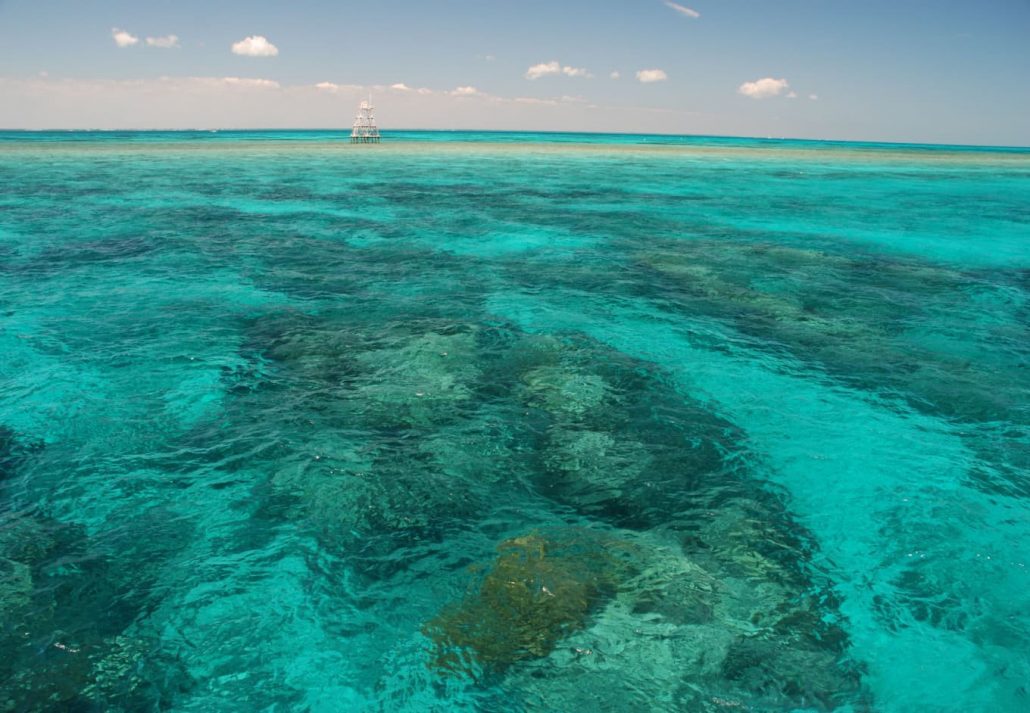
(365, 130)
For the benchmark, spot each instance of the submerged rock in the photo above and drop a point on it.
(416, 381)
(62, 605)
(130, 673)
(564, 391)
(26, 538)
(539, 589)
(352, 495)
(805, 675)
(677, 635)
(301, 344)
(674, 588)
(15, 588)
(592, 468)
(730, 286)
(749, 538)
(25, 543)
(479, 451)
(14, 451)
(894, 326)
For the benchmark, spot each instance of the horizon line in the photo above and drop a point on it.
(344, 130)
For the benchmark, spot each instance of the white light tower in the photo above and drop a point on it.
(365, 130)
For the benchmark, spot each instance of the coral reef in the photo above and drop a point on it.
(772, 672)
(371, 499)
(25, 544)
(592, 468)
(540, 588)
(482, 451)
(15, 588)
(14, 451)
(858, 317)
(677, 635)
(418, 380)
(54, 624)
(565, 391)
(129, 672)
(415, 427)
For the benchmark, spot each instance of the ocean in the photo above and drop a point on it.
(472, 421)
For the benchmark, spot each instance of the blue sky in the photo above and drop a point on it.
(907, 70)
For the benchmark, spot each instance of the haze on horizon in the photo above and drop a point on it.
(945, 71)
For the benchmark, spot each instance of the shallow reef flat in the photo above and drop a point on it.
(427, 144)
(512, 423)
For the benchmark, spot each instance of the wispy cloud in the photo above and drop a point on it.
(813, 97)
(123, 38)
(554, 67)
(255, 46)
(615, 74)
(683, 10)
(400, 87)
(763, 88)
(240, 102)
(535, 101)
(539, 101)
(166, 42)
(652, 75)
(333, 88)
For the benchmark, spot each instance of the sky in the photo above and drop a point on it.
(939, 71)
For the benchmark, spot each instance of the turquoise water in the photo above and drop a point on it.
(512, 423)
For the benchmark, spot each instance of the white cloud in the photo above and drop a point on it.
(575, 72)
(255, 46)
(763, 88)
(543, 69)
(246, 83)
(166, 42)
(424, 91)
(615, 75)
(652, 75)
(400, 87)
(327, 86)
(466, 92)
(685, 11)
(792, 95)
(123, 38)
(813, 97)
